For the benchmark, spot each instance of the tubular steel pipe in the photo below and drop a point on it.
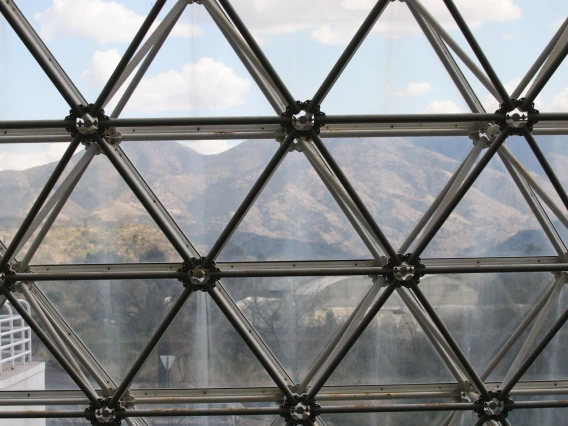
(42, 57)
(539, 61)
(194, 121)
(145, 65)
(42, 197)
(546, 166)
(354, 196)
(150, 346)
(54, 336)
(393, 408)
(476, 381)
(333, 364)
(251, 197)
(145, 199)
(53, 215)
(36, 124)
(539, 84)
(520, 329)
(481, 421)
(239, 24)
(479, 53)
(245, 333)
(347, 54)
(409, 118)
(467, 184)
(93, 397)
(198, 412)
(532, 357)
(246, 55)
(95, 276)
(434, 206)
(96, 107)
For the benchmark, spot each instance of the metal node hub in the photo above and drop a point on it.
(493, 407)
(300, 412)
(105, 415)
(516, 118)
(302, 121)
(404, 272)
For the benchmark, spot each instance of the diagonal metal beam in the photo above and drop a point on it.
(334, 363)
(239, 24)
(64, 196)
(476, 381)
(246, 55)
(538, 324)
(479, 53)
(248, 334)
(546, 167)
(72, 341)
(531, 358)
(136, 41)
(147, 199)
(42, 55)
(148, 60)
(334, 167)
(347, 54)
(542, 194)
(150, 346)
(467, 184)
(42, 197)
(476, 71)
(447, 60)
(556, 58)
(539, 61)
(250, 198)
(77, 169)
(24, 288)
(518, 332)
(172, 15)
(536, 208)
(93, 397)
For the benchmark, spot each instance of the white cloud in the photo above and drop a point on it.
(205, 84)
(559, 102)
(443, 107)
(21, 157)
(101, 21)
(507, 36)
(335, 21)
(211, 147)
(101, 67)
(413, 90)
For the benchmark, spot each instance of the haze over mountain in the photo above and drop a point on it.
(295, 217)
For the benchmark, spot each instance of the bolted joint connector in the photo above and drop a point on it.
(517, 118)
(87, 124)
(494, 407)
(298, 413)
(198, 276)
(303, 121)
(112, 136)
(2, 279)
(404, 272)
(104, 415)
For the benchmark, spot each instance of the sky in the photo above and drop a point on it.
(197, 74)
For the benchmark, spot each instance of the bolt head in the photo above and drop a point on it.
(300, 412)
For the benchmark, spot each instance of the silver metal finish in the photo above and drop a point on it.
(296, 130)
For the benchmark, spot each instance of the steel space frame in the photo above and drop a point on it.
(303, 127)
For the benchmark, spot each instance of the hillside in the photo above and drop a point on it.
(294, 218)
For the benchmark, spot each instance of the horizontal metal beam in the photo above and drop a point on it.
(272, 394)
(205, 131)
(84, 273)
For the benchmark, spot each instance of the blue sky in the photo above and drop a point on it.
(197, 74)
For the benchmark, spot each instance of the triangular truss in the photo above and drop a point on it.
(298, 126)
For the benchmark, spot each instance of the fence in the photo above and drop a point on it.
(15, 337)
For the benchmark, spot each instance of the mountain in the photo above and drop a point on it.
(294, 218)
